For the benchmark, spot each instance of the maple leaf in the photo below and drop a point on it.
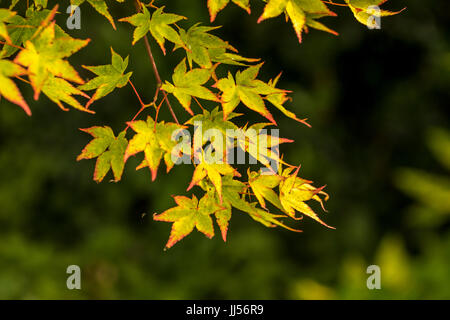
(294, 191)
(198, 43)
(8, 88)
(215, 6)
(253, 139)
(247, 89)
(222, 56)
(233, 191)
(262, 186)
(108, 78)
(157, 24)
(45, 55)
(212, 170)
(100, 6)
(189, 214)
(109, 150)
(300, 12)
(278, 99)
(5, 15)
(189, 84)
(365, 10)
(58, 90)
(260, 145)
(214, 120)
(155, 140)
(23, 29)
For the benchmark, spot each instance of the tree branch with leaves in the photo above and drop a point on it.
(36, 51)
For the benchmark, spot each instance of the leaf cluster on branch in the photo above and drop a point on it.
(36, 50)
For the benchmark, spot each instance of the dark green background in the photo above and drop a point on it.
(378, 104)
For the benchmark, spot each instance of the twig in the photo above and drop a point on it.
(155, 69)
(137, 94)
(22, 79)
(143, 105)
(336, 4)
(157, 112)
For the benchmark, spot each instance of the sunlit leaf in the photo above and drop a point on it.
(189, 214)
(215, 6)
(158, 24)
(108, 78)
(294, 191)
(246, 89)
(45, 55)
(188, 84)
(109, 150)
(8, 88)
(155, 141)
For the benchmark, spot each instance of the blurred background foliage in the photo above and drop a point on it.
(378, 104)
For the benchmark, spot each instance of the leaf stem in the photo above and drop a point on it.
(143, 105)
(11, 44)
(137, 94)
(336, 4)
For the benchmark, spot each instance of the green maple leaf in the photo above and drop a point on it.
(204, 48)
(246, 89)
(21, 29)
(109, 150)
(301, 13)
(215, 6)
(200, 45)
(294, 191)
(188, 84)
(158, 24)
(5, 16)
(8, 88)
(222, 56)
(100, 6)
(155, 140)
(44, 56)
(108, 78)
(59, 90)
(189, 214)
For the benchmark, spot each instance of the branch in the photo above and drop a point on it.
(155, 70)
(143, 106)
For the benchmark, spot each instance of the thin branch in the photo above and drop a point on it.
(143, 105)
(336, 4)
(137, 94)
(198, 102)
(157, 112)
(134, 118)
(155, 69)
(22, 79)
